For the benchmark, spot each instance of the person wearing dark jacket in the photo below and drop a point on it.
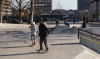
(43, 33)
(57, 22)
(84, 22)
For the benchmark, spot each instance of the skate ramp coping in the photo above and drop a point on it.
(90, 39)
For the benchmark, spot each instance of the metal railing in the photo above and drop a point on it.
(89, 39)
(87, 33)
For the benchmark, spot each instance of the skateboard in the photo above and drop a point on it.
(29, 44)
(38, 51)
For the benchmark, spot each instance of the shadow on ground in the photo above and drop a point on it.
(23, 54)
(14, 47)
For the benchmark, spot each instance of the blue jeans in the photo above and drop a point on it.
(32, 37)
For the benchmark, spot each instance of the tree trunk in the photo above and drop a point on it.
(20, 11)
(0, 12)
(20, 17)
(32, 11)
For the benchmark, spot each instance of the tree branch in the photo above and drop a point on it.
(14, 5)
(17, 1)
(26, 5)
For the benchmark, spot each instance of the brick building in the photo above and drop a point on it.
(6, 7)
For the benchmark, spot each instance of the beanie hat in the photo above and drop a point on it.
(32, 22)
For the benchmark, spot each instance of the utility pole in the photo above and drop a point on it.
(32, 10)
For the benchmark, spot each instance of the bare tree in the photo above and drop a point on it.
(59, 8)
(59, 5)
(20, 5)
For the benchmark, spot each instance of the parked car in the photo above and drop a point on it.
(54, 20)
(4, 21)
(15, 21)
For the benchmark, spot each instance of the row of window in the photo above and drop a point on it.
(42, 4)
(43, 1)
(43, 9)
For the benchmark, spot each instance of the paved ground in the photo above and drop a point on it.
(63, 44)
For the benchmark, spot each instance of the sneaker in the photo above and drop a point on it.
(33, 44)
(39, 50)
(46, 51)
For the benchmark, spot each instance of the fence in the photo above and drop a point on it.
(89, 39)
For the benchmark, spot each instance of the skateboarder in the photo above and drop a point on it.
(43, 33)
(66, 22)
(33, 33)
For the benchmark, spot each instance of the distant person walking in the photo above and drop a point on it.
(84, 22)
(87, 20)
(46, 19)
(43, 33)
(74, 19)
(57, 22)
(33, 33)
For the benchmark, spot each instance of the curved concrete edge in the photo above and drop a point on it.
(88, 54)
(13, 26)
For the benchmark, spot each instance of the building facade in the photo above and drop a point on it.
(83, 8)
(72, 12)
(83, 4)
(42, 7)
(94, 9)
(6, 8)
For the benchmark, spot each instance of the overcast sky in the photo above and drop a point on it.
(66, 4)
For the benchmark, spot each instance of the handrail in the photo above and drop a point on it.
(86, 32)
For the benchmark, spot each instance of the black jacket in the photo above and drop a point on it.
(43, 30)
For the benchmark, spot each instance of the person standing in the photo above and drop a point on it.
(57, 22)
(43, 33)
(74, 19)
(84, 22)
(87, 20)
(33, 33)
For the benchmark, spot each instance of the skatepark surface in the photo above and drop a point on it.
(62, 42)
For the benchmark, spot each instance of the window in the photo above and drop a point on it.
(48, 0)
(43, 4)
(40, 4)
(37, 4)
(43, 1)
(40, 0)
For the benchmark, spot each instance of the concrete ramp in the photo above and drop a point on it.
(64, 30)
